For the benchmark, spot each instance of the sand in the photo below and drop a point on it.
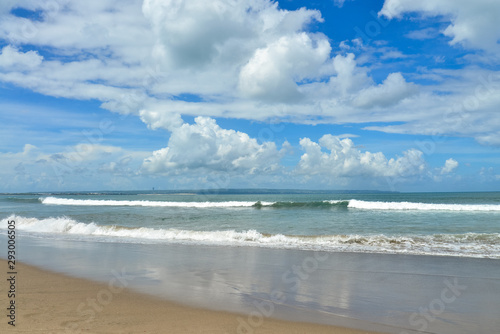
(48, 302)
(372, 292)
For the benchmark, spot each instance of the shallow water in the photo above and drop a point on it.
(450, 224)
(383, 292)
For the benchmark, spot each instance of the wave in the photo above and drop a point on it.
(226, 204)
(480, 245)
(350, 204)
(367, 205)
(93, 202)
(19, 200)
(308, 205)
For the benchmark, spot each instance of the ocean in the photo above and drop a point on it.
(441, 224)
(372, 261)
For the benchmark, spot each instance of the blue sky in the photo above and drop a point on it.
(117, 95)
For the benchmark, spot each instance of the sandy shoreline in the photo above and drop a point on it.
(174, 288)
(48, 302)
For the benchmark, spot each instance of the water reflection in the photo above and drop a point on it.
(378, 289)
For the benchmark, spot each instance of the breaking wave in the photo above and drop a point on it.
(480, 245)
(367, 205)
(92, 202)
(350, 204)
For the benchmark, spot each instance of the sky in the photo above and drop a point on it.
(396, 95)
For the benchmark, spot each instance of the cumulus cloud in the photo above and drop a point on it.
(341, 86)
(95, 50)
(160, 119)
(249, 59)
(473, 23)
(235, 58)
(196, 33)
(190, 33)
(340, 158)
(273, 72)
(205, 146)
(72, 28)
(231, 56)
(11, 58)
(449, 166)
(223, 44)
(349, 77)
(388, 93)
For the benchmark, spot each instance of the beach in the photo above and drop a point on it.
(250, 167)
(123, 288)
(51, 303)
(387, 263)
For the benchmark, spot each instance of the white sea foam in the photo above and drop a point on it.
(352, 204)
(92, 202)
(469, 244)
(367, 205)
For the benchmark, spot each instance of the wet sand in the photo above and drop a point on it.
(47, 302)
(245, 289)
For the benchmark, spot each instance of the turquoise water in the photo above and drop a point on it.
(453, 224)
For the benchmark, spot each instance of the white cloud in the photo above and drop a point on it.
(422, 34)
(248, 60)
(82, 166)
(388, 93)
(107, 27)
(350, 78)
(474, 24)
(160, 119)
(342, 159)
(391, 54)
(273, 72)
(196, 33)
(210, 42)
(95, 50)
(449, 166)
(339, 3)
(233, 55)
(491, 138)
(489, 175)
(204, 146)
(245, 59)
(82, 153)
(466, 104)
(190, 34)
(344, 82)
(11, 58)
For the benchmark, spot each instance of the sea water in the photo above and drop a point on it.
(445, 224)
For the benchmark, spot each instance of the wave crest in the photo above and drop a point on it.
(340, 204)
(94, 202)
(470, 244)
(367, 205)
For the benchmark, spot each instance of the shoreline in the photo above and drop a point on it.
(360, 293)
(51, 302)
